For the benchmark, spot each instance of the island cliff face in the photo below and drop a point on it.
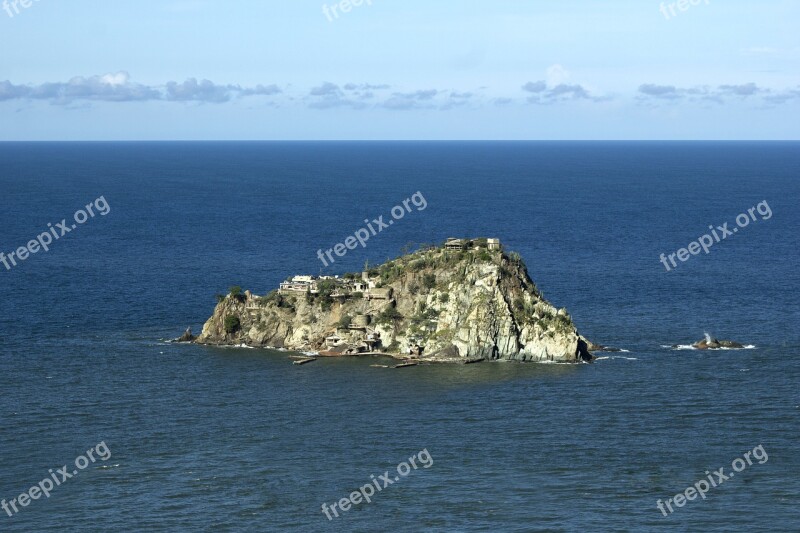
(462, 302)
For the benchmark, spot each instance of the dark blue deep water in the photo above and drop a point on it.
(206, 439)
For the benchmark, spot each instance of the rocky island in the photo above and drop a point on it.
(464, 301)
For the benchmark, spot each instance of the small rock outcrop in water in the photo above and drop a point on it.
(709, 343)
(186, 337)
(592, 347)
(459, 302)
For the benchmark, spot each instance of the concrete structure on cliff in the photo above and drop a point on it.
(454, 244)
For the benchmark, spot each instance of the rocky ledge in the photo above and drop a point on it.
(461, 302)
(710, 343)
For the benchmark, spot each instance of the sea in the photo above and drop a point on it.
(194, 438)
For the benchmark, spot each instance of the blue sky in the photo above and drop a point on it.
(413, 69)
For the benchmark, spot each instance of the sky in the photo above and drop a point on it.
(399, 70)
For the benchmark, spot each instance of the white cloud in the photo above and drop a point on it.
(117, 87)
(556, 75)
(120, 78)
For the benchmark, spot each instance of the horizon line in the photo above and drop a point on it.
(99, 141)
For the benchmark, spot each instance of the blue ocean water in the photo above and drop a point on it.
(240, 440)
